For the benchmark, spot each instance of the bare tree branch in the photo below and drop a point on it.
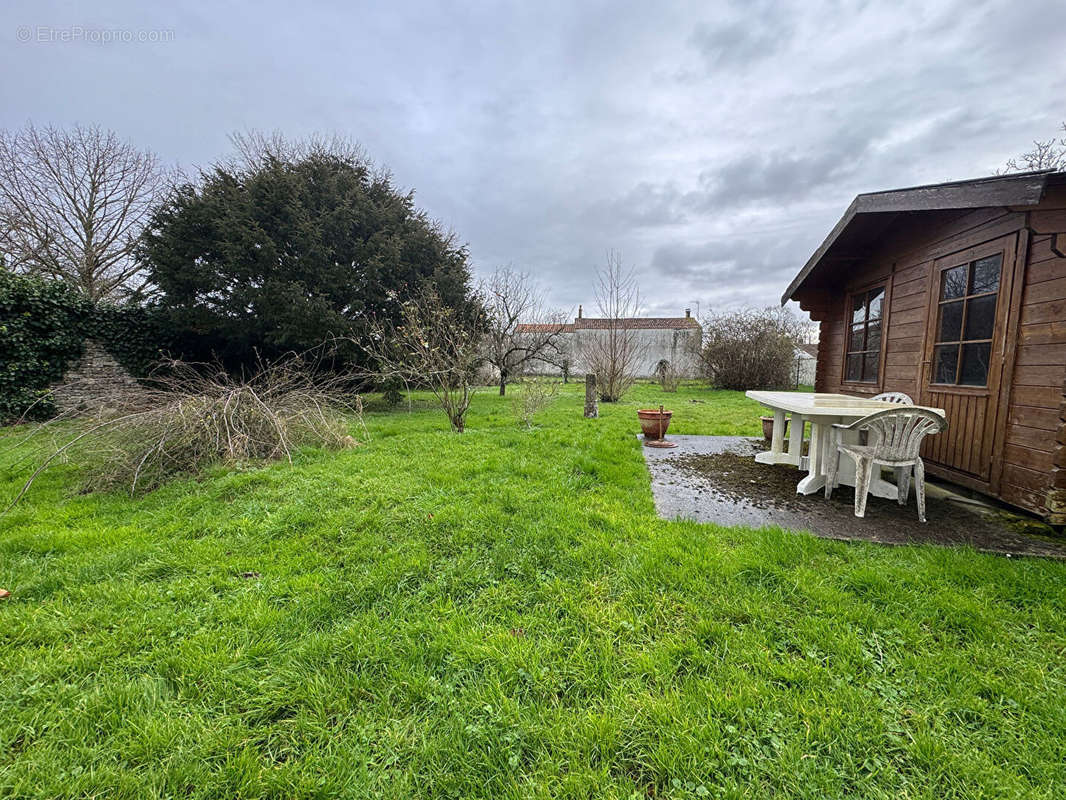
(434, 346)
(1046, 154)
(613, 350)
(518, 327)
(192, 416)
(72, 205)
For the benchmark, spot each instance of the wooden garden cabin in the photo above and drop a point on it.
(955, 293)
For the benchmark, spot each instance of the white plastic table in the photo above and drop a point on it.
(822, 411)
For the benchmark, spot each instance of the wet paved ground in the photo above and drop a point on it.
(715, 479)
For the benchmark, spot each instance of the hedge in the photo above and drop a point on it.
(43, 328)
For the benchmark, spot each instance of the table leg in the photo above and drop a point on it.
(815, 478)
(777, 441)
(795, 440)
(776, 454)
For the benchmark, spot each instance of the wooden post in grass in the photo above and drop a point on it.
(592, 409)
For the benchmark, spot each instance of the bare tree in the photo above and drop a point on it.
(72, 205)
(434, 346)
(611, 347)
(518, 327)
(1046, 154)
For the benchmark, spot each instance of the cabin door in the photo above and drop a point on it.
(966, 327)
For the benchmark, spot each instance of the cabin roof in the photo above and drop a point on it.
(870, 214)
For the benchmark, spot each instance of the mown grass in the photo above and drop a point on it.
(500, 614)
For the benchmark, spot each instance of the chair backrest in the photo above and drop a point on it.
(895, 397)
(897, 434)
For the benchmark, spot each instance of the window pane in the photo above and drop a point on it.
(950, 324)
(858, 308)
(873, 336)
(986, 275)
(980, 317)
(869, 367)
(858, 339)
(944, 362)
(953, 283)
(854, 371)
(877, 299)
(974, 371)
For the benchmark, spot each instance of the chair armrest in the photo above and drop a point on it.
(850, 426)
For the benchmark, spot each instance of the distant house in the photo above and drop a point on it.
(955, 293)
(674, 340)
(804, 364)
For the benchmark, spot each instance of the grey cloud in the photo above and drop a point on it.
(776, 177)
(781, 177)
(546, 133)
(735, 258)
(649, 204)
(747, 38)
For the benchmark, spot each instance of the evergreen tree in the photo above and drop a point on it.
(289, 247)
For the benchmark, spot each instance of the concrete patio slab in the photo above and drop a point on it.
(716, 479)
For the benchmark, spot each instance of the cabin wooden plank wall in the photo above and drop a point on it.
(1012, 442)
(1036, 440)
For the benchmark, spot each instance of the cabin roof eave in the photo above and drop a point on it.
(1022, 189)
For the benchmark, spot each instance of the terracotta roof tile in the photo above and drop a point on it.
(599, 323)
(637, 323)
(542, 327)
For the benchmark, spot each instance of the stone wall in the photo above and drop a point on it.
(94, 383)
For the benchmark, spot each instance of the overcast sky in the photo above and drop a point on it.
(713, 144)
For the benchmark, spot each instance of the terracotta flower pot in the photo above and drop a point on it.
(768, 427)
(654, 422)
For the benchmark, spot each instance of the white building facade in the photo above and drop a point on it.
(674, 340)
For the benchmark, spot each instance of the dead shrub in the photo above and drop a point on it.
(193, 417)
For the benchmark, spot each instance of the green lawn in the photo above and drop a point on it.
(500, 614)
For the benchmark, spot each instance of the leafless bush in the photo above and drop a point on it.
(436, 347)
(610, 348)
(193, 417)
(750, 349)
(669, 375)
(535, 396)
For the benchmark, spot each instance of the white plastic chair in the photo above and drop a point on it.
(894, 437)
(895, 397)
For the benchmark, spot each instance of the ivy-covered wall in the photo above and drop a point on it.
(43, 328)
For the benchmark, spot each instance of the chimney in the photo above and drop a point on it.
(579, 312)
(688, 313)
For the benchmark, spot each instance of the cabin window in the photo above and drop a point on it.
(863, 358)
(966, 319)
